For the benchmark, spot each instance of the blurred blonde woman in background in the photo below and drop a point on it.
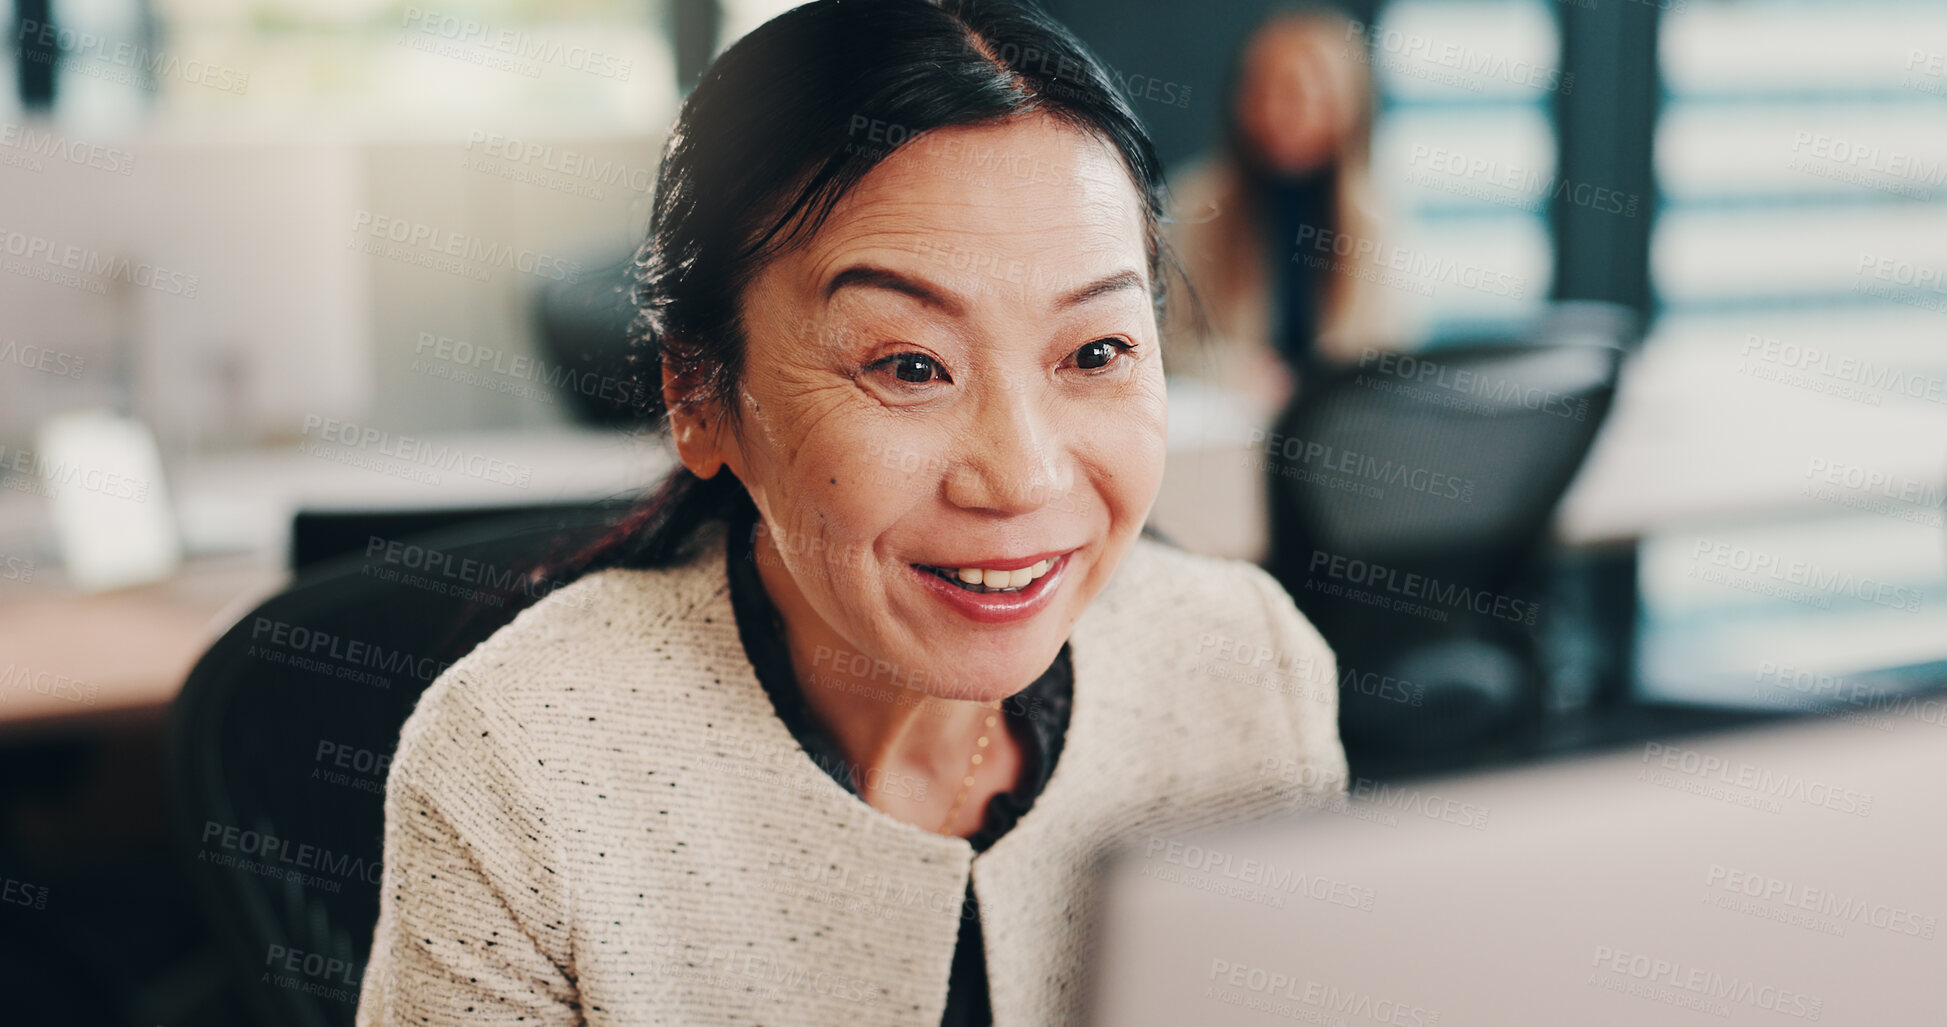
(1258, 219)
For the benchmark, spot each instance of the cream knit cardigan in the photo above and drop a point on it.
(596, 816)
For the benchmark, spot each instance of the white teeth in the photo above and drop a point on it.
(988, 578)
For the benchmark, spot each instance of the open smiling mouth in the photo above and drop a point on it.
(981, 580)
(987, 595)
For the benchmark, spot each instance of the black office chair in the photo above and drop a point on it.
(1410, 497)
(583, 335)
(285, 729)
(319, 535)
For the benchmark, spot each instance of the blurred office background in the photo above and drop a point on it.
(257, 258)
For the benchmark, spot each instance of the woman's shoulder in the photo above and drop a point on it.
(1209, 611)
(1176, 623)
(616, 629)
(617, 605)
(1159, 574)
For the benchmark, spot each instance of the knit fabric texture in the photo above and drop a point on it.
(596, 817)
(1036, 715)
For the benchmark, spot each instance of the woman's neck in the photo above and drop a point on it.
(910, 750)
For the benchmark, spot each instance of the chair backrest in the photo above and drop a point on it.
(585, 342)
(320, 534)
(280, 742)
(1406, 487)
(1451, 460)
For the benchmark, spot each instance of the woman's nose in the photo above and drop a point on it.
(1010, 462)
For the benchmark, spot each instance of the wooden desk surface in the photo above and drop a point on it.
(68, 659)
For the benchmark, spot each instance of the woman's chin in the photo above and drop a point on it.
(994, 686)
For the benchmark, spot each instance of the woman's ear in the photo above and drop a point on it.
(693, 422)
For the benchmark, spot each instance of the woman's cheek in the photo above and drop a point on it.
(1125, 438)
(895, 469)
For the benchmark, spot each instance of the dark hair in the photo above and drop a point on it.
(781, 126)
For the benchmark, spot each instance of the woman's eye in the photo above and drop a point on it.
(1099, 353)
(916, 368)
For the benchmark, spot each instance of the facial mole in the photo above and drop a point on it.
(834, 481)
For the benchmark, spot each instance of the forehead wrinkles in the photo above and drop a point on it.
(912, 214)
(1039, 160)
(1057, 243)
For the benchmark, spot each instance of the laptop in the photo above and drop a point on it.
(1790, 873)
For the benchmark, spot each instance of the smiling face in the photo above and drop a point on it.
(958, 373)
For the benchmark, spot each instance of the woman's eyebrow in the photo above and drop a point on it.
(869, 276)
(1124, 279)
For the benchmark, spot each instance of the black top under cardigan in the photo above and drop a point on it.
(1037, 716)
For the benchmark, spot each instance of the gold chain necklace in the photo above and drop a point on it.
(980, 744)
(973, 763)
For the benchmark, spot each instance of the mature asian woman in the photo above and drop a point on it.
(834, 727)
